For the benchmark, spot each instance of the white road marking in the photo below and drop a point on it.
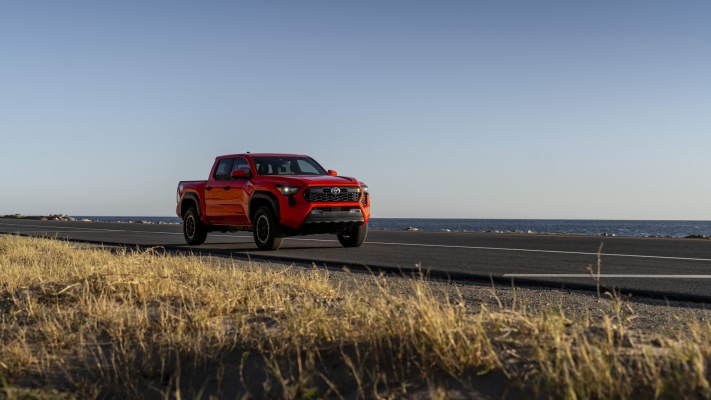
(607, 276)
(404, 244)
(68, 228)
(87, 230)
(524, 250)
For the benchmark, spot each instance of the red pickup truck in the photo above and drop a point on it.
(274, 196)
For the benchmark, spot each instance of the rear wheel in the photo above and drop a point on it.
(354, 236)
(193, 229)
(267, 234)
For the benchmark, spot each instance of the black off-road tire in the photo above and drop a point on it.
(193, 229)
(267, 234)
(354, 237)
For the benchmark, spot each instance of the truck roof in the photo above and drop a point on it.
(262, 155)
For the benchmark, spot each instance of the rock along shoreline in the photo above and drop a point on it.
(67, 218)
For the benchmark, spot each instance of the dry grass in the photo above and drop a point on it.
(94, 323)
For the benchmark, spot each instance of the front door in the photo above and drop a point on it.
(237, 195)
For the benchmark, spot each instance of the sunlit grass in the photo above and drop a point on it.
(90, 322)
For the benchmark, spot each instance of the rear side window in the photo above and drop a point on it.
(223, 170)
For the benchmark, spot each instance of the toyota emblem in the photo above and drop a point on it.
(335, 190)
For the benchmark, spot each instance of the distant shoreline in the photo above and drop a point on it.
(67, 218)
(51, 217)
(596, 228)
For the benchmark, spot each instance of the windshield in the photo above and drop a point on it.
(287, 166)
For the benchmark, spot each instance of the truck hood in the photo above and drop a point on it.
(312, 180)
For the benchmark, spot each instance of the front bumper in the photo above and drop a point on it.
(299, 214)
(334, 215)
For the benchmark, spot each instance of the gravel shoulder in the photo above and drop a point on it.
(645, 316)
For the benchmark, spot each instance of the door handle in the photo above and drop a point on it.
(226, 187)
(208, 187)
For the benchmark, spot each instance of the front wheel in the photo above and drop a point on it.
(353, 237)
(267, 234)
(194, 231)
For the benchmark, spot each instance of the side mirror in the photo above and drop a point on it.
(240, 174)
(332, 172)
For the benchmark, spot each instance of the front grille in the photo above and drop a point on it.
(325, 194)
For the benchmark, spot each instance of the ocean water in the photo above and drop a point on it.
(562, 226)
(559, 226)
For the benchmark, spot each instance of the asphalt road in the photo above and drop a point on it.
(666, 268)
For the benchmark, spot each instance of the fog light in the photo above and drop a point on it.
(355, 211)
(317, 212)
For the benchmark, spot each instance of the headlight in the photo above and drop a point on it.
(364, 188)
(287, 190)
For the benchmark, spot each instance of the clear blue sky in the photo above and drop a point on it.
(463, 109)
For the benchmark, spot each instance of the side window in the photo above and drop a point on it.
(224, 167)
(240, 163)
(306, 168)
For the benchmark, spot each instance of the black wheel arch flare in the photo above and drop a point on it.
(189, 197)
(263, 196)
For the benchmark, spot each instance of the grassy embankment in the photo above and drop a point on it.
(90, 322)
